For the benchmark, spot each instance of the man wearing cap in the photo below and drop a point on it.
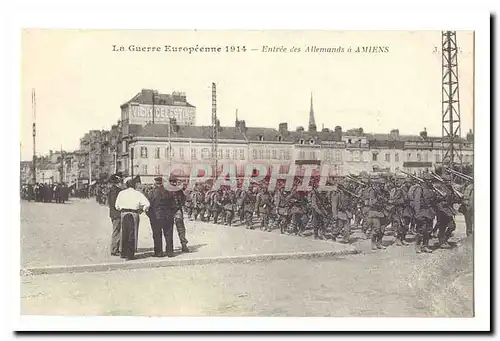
(161, 218)
(340, 213)
(424, 200)
(263, 207)
(445, 223)
(178, 200)
(114, 214)
(376, 214)
(399, 198)
(131, 203)
(467, 207)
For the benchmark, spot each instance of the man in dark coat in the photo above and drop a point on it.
(162, 219)
(114, 214)
(178, 201)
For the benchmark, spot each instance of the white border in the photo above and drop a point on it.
(297, 16)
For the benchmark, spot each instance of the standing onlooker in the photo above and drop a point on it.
(114, 214)
(162, 219)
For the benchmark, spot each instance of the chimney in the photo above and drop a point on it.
(300, 128)
(242, 126)
(360, 132)
(283, 128)
(395, 134)
(423, 134)
(338, 133)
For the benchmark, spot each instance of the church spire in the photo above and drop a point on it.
(312, 122)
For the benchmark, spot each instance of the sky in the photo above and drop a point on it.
(81, 82)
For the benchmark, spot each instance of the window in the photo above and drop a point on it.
(261, 138)
(268, 153)
(396, 157)
(254, 154)
(338, 155)
(181, 153)
(172, 153)
(235, 154)
(274, 154)
(157, 170)
(288, 155)
(356, 156)
(387, 157)
(426, 158)
(301, 141)
(312, 155)
(144, 152)
(438, 158)
(261, 154)
(193, 154)
(227, 154)
(219, 152)
(419, 157)
(349, 156)
(157, 153)
(409, 157)
(242, 154)
(280, 138)
(374, 157)
(302, 155)
(205, 153)
(145, 169)
(311, 141)
(281, 155)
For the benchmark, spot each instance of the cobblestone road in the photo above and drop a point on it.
(395, 282)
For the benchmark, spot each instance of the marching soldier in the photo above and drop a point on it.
(399, 198)
(189, 204)
(131, 203)
(341, 215)
(264, 208)
(249, 201)
(240, 194)
(216, 205)
(467, 208)
(423, 202)
(198, 202)
(444, 211)
(376, 214)
(281, 208)
(297, 204)
(319, 213)
(229, 203)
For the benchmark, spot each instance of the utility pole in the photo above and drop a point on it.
(215, 131)
(451, 130)
(90, 168)
(153, 111)
(33, 108)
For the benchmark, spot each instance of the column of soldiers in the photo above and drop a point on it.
(40, 192)
(407, 203)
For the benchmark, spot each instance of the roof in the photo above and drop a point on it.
(146, 97)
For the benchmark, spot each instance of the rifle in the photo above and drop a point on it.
(322, 204)
(414, 177)
(459, 174)
(455, 191)
(352, 179)
(342, 188)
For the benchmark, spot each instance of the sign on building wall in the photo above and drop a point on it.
(143, 113)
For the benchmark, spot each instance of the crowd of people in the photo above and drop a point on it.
(40, 192)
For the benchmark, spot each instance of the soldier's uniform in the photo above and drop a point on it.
(179, 199)
(376, 214)
(189, 204)
(364, 194)
(467, 208)
(228, 203)
(198, 202)
(411, 196)
(445, 223)
(423, 203)
(281, 209)
(341, 215)
(216, 205)
(264, 208)
(319, 214)
(297, 204)
(240, 194)
(249, 202)
(399, 199)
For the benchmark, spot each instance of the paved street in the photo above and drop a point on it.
(393, 282)
(79, 232)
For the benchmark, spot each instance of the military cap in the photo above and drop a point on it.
(446, 177)
(159, 179)
(427, 176)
